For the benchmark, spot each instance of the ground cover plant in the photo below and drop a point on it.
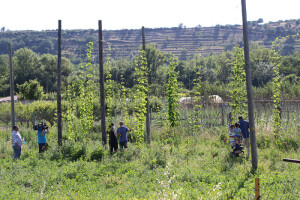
(187, 167)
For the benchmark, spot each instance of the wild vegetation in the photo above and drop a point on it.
(188, 157)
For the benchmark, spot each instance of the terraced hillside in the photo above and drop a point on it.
(181, 41)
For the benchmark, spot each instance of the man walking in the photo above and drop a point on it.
(244, 126)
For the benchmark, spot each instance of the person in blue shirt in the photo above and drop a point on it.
(122, 133)
(244, 126)
(42, 140)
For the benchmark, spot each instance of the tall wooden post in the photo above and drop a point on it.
(249, 87)
(102, 95)
(147, 98)
(12, 99)
(59, 112)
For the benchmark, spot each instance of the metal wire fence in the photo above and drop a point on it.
(216, 114)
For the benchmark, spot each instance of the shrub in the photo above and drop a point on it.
(97, 154)
(155, 104)
(263, 141)
(78, 152)
(31, 90)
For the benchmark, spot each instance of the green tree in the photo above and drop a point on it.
(4, 76)
(31, 90)
(48, 77)
(155, 59)
(27, 66)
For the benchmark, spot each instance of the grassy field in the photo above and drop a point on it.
(186, 167)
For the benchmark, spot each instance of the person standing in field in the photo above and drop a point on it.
(113, 141)
(244, 126)
(16, 142)
(42, 140)
(122, 133)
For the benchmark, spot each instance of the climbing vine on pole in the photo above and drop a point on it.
(109, 87)
(173, 113)
(81, 93)
(276, 84)
(276, 88)
(239, 90)
(141, 74)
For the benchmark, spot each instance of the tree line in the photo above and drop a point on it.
(215, 72)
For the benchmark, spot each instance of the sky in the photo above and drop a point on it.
(133, 14)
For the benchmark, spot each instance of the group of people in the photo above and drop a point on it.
(239, 135)
(121, 132)
(17, 141)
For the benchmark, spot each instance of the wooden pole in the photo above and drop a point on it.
(102, 94)
(291, 160)
(12, 99)
(257, 187)
(223, 115)
(59, 112)
(147, 98)
(249, 87)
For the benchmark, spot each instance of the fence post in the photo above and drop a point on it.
(229, 121)
(257, 192)
(222, 114)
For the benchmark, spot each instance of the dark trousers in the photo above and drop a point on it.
(42, 147)
(123, 144)
(113, 146)
(17, 151)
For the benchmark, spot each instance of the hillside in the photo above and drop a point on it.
(181, 41)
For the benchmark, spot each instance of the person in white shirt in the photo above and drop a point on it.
(16, 142)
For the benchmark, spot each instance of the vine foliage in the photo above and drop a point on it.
(81, 93)
(173, 113)
(140, 95)
(239, 90)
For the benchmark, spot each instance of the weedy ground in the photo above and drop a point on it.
(184, 167)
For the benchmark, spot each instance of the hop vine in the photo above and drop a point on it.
(141, 74)
(238, 94)
(173, 113)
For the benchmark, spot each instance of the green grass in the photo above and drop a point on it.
(183, 168)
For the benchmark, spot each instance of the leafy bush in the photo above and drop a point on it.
(78, 152)
(263, 141)
(31, 90)
(97, 154)
(155, 104)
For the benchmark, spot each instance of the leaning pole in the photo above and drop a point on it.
(59, 110)
(102, 94)
(249, 87)
(147, 99)
(11, 79)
